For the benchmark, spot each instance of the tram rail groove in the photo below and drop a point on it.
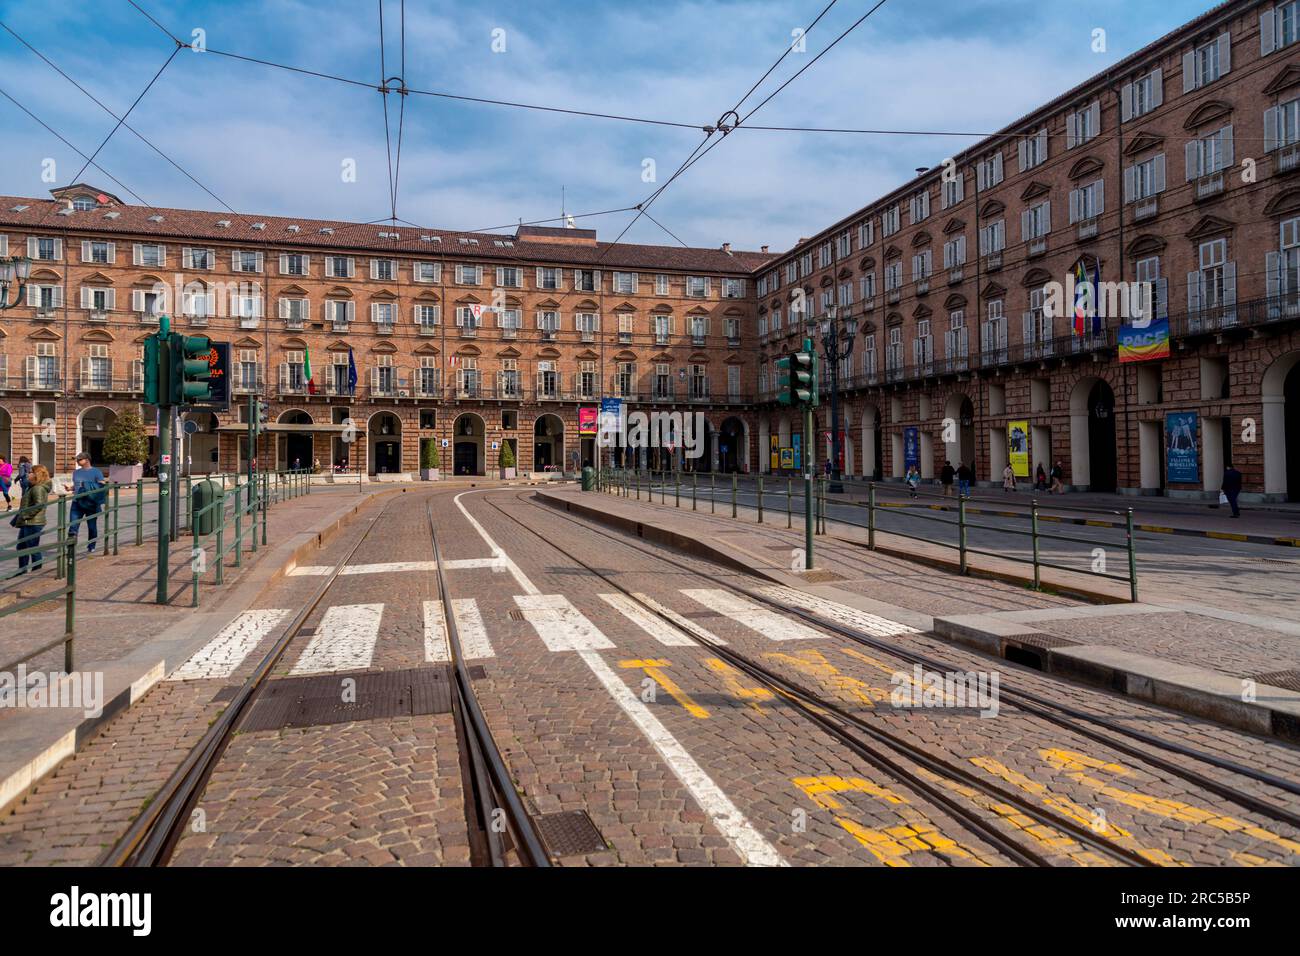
(1059, 714)
(836, 721)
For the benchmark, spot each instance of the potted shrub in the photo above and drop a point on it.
(429, 460)
(125, 448)
(506, 461)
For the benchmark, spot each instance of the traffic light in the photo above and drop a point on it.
(263, 415)
(157, 370)
(798, 379)
(189, 368)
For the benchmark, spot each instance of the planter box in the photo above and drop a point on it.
(507, 474)
(428, 474)
(125, 474)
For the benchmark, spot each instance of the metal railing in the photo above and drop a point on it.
(869, 505)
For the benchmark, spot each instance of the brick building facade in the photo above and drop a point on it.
(1179, 167)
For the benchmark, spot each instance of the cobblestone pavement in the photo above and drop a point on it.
(597, 705)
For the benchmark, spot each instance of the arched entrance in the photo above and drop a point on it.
(1093, 462)
(733, 446)
(873, 444)
(548, 443)
(468, 435)
(764, 446)
(1280, 391)
(92, 427)
(6, 435)
(959, 430)
(200, 448)
(384, 439)
(706, 444)
(293, 450)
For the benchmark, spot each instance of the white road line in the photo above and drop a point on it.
(469, 628)
(753, 616)
(461, 564)
(656, 627)
(688, 626)
(436, 648)
(748, 843)
(560, 625)
(222, 655)
(726, 816)
(344, 641)
(833, 610)
(497, 551)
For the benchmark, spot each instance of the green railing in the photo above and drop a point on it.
(60, 554)
(870, 505)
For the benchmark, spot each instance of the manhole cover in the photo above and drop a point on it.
(570, 833)
(1287, 680)
(326, 699)
(820, 577)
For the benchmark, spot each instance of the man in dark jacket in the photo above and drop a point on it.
(1231, 488)
(946, 476)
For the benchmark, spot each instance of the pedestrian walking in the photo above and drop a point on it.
(964, 476)
(6, 479)
(1058, 480)
(1231, 488)
(30, 518)
(23, 475)
(89, 495)
(1008, 479)
(1040, 478)
(913, 479)
(947, 474)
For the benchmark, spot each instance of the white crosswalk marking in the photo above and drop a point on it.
(469, 628)
(389, 567)
(690, 627)
(559, 624)
(222, 655)
(345, 640)
(656, 627)
(833, 610)
(753, 616)
(436, 648)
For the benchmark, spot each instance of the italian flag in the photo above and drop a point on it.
(306, 371)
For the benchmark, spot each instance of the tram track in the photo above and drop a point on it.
(502, 831)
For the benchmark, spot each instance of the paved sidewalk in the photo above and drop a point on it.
(1181, 653)
(127, 643)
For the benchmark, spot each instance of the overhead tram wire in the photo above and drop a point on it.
(401, 114)
(383, 92)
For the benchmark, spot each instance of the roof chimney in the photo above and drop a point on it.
(763, 248)
(726, 247)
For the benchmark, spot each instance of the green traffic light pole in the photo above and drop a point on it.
(800, 388)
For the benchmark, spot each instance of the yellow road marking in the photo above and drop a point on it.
(815, 664)
(655, 670)
(1067, 807)
(750, 696)
(892, 844)
(1080, 767)
(1226, 536)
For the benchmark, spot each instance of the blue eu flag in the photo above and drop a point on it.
(352, 373)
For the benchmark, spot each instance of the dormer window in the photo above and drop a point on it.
(84, 203)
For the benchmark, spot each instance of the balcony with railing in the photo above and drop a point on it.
(384, 326)
(1288, 158)
(662, 338)
(469, 331)
(247, 384)
(923, 286)
(955, 275)
(588, 335)
(893, 296)
(1147, 208)
(98, 316)
(509, 332)
(1038, 246)
(1207, 187)
(993, 261)
(1088, 229)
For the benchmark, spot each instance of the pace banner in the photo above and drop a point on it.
(1181, 459)
(1018, 448)
(775, 452)
(911, 447)
(587, 416)
(1145, 344)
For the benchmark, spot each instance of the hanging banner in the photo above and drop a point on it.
(1181, 460)
(1143, 345)
(787, 458)
(911, 447)
(775, 452)
(795, 442)
(1018, 448)
(587, 416)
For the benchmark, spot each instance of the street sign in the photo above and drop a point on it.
(166, 459)
(190, 426)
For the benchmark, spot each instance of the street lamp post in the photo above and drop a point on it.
(837, 345)
(11, 268)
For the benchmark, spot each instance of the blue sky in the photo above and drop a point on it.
(272, 142)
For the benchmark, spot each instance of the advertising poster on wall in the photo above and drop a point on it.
(1181, 459)
(587, 416)
(795, 443)
(787, 458)
(1018, 448)
(911, 447)
(775, 452)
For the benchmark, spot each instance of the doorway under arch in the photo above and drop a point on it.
(293, 450)
(873, 444)
(468, 454)
(384, 443)
(1094, 464)
(1280, 391)
(733, 446)
(960, 412)
(548, 443)
(92, 427)
(6, 435)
